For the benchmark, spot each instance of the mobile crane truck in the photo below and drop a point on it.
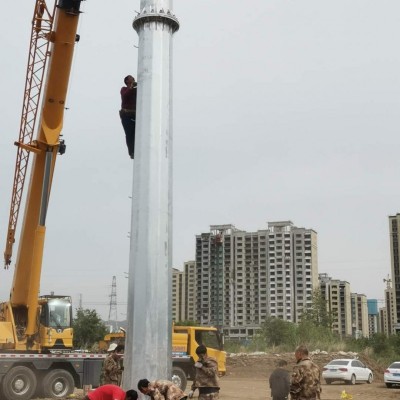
(33, 327)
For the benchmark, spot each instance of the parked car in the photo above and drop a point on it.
(348, 370)
(392, 374)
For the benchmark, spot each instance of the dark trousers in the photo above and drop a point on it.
(128, 121)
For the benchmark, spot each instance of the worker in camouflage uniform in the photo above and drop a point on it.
(306, 377)
(161, 390)
(206, 379)
(112, 368)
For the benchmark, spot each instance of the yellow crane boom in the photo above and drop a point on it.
(42, 23)
(22, 313)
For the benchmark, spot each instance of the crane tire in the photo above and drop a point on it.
(58, 384)
(19, 383)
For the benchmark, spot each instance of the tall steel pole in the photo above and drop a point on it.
(148, 342)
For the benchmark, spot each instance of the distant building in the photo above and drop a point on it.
(383, 320)
(359, 315)
(178, 295)
(243, 277)
(190, 296)
(394, 230)
(388, 312)
(338, 298)
(184, 293)
(373, 316)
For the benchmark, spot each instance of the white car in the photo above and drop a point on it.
(392, 374)
(349, 370)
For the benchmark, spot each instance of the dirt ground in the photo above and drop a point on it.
(247, 378)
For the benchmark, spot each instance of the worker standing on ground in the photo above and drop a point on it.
(112, 369)
(161, 390)
(206, 379)
(111, 392)
(279, 381)
(306, 377)
(128, 112)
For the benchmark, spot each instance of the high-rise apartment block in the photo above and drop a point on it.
(359, 315)
(184, 293)
(373, 316)
(243, 277)
(338, 300)
(178, 295)
(394, 231)
(388, 312)
(190, 296)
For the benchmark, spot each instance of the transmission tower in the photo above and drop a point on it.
(112, 313)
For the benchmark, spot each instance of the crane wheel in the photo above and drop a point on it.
(58, 384)
(19, 383)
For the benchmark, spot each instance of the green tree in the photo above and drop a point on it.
(318, 313)
(313, 335)
(276, 331)
(380, 343)
(88, 328)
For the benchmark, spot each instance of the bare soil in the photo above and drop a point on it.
(247, 378)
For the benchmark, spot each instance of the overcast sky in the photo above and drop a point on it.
(283, 110)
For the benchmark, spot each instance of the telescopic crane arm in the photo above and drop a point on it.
(42, 23)
(59, 30)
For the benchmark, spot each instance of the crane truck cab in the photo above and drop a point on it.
(56, 322)
(54, 330)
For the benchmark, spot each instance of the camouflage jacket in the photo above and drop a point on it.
(305, 383)
(111, 371)
(160, 390)
(207, 375)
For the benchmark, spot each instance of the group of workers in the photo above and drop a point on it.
(205, 380)
(303, 384)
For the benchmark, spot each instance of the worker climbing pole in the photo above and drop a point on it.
(127, 112)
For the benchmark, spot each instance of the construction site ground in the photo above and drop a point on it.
(247, 378)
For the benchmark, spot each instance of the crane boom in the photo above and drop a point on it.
(42, 23)
(22, 313)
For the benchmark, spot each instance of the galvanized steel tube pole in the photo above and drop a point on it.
(148, 342)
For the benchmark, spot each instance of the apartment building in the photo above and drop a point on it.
(243, 277)
(383, 320)
(338, 301)
(292, 269)
(394, 229)
(388, 312)
(190, 296)
(359, 315)
(373, 317)
(178, 295)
